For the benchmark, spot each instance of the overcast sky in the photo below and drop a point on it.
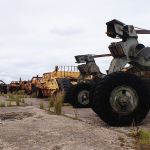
(36, 35)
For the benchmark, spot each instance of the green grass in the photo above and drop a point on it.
(34, 95)
(2, 104)
(2, 94)
(11, 97)
(18, 101)
(143, 138)
(20, 92)
(23, 101)
(9, 104)
(41, 106)
(16, 98)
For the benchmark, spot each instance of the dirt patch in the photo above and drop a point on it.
(76, 129)
(42, 131)
(15, 115)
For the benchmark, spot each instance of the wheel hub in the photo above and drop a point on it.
(83, 97)
(124, 100)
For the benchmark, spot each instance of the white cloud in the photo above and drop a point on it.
(35, 35)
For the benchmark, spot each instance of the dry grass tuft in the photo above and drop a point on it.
(58, 102)
(51, 103)
(2, 104)
(41, 106)
(9, 104)
(142, 138)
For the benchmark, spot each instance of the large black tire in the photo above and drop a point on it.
(80, 95)
(65, 86)
(102, 99)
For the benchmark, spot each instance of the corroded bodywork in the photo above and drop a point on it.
(32, 85)
(49, 83)
(14, 86)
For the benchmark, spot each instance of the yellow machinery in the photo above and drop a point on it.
(14, 86)
(31, 85)
(22, 85)
(61, 78)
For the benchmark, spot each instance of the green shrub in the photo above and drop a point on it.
(144, 137)
(2, 104)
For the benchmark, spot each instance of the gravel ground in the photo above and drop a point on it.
(30, 128)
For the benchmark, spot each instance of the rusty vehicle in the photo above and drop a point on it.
(122, 98)
(22, 85)
(14, 86)
(3, 87)
(62, 78)
(31, 85)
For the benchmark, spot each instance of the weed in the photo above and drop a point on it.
(25, 96)
(58, 102)
(2, 94)
(11, 97)
(16, 98)
(51, 103)
(34, 95)
(41, 106)
(23, 100)
(17, 102)
(142, 138)
(76, 114)
(2, 104)
(20, 92)
(9, 104)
